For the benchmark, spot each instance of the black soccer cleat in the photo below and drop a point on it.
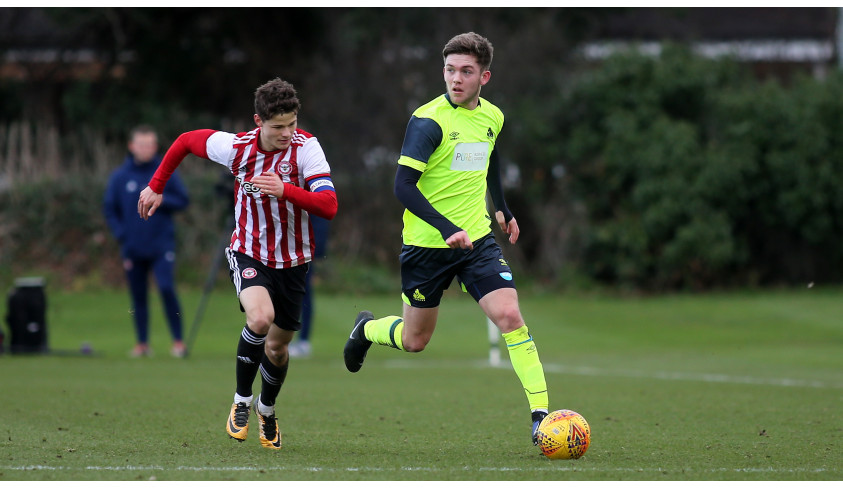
(538, 416)
(237, 425)
(357, 345)
(269, 434)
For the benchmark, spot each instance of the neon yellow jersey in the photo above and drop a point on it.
(453, 176)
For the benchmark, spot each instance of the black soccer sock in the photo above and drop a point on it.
(249, 354)
(272, 378)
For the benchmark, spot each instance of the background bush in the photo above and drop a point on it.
(695, 175)
(647, 173)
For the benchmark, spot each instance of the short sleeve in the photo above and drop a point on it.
(220, 147)
(423, 136)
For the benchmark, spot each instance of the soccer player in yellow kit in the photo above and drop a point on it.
(447, 163)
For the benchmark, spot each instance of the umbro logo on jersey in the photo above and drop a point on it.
(454, 135)
(490, 134)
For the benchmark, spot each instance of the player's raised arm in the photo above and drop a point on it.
(192, 142)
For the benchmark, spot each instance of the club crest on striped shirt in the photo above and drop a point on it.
(284, 168)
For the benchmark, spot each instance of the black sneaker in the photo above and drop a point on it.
(357, 345)
(538, 416)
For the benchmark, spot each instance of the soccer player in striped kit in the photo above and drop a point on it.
(447, 164)
(281, 177)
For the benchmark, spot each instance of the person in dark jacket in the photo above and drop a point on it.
(146, 245)
(321, 228)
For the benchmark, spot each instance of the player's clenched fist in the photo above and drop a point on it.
(148, 202)
(459, 240)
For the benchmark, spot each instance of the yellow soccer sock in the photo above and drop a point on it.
(385, 331)
(525, 361)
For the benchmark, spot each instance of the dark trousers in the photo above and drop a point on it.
(138, 276)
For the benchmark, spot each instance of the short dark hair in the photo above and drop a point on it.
(142, 129)
(275, 97)
(471, 43)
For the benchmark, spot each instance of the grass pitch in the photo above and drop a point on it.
(716, 387)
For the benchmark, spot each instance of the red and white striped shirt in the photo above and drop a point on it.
(276, 232)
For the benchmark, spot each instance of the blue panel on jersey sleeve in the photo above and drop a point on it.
(422, 138)
(321, 184)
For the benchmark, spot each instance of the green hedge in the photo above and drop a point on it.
(679, 173)
(694, 174)
(55, 228)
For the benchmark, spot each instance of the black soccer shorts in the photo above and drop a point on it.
(286, 286)
(427, 272)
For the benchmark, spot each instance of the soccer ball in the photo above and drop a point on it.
(564, 434)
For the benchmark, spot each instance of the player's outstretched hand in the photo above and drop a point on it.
(510, 228)
(148, 202)
(459, 240)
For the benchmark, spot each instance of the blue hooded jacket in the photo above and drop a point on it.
(140, 238)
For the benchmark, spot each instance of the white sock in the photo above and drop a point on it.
(264, 410)
(241, 399)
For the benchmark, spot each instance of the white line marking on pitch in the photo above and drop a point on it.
(319, 469)
(656, 375)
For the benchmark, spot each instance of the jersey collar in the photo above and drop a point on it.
(448, 97)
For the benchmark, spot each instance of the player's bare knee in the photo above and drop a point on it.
(509, 320)
(260, 323)
(276, 351)
(414, 344)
